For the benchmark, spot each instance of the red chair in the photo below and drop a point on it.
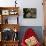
(29, 33)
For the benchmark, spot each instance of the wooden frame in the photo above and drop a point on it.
(5, 12)
(29, 12)
(7, 25)
(8, 11)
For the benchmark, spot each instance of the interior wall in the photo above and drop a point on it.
(38, 21)
(7, 3)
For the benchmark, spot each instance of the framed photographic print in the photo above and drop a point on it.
(5, 12)
(13, 12)
(29, 12)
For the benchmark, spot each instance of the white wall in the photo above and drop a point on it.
(27, 4)
(7, 3)
(32, 4)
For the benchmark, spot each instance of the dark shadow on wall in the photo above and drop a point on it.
(37, 29)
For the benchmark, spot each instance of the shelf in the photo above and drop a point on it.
(11, 26)
(11, 41)
(9, 10)
(7, 16)
(6, 12)
(5, 8)
(12, 19)
(11, 14)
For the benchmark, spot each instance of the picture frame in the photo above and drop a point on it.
(5, 12)
(13, 12)
(29, 12)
